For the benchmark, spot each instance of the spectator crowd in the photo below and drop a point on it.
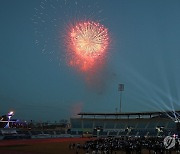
(126, 145)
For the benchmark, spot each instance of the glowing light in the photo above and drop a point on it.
(10, 113)
(88, 41)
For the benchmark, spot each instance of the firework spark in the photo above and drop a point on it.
(88, 41)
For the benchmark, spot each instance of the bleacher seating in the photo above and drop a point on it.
(171, 125)
(141, 125)
(133, 132)
(122, 133)
(112, 133)
(142, 132)
(131, 123)
(110, 125)
(152, 132)
(162, 124)
(99, 123)
(120, 127)
(152, 124)
(87, 124)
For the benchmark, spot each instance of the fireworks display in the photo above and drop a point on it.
(69, 32)
(88, 41)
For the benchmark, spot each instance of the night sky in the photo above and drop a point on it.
(37, 83)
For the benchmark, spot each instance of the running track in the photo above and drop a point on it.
(33, 141)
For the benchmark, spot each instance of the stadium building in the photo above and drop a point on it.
(144, 124)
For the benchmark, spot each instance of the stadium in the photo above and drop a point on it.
(96, 132)
(144, 124)
(131, 124)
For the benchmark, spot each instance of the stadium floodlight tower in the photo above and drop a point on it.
(121, 89)
(9, 115)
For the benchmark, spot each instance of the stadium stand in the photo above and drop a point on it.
(149, 124)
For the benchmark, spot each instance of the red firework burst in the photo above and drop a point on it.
(88, 41)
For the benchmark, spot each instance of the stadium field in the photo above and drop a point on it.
(48, 146)
(40, 146)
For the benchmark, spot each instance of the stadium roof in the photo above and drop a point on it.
(130, 114)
